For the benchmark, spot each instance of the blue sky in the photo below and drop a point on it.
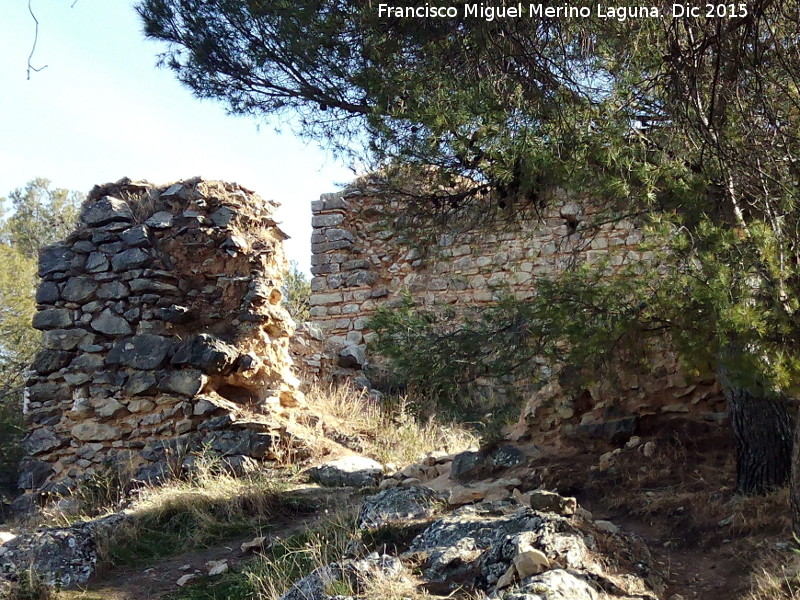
(101, 110)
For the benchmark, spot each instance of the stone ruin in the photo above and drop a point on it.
(361, 260)
(163, 334)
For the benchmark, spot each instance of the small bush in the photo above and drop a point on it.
(464, 361)
(296, 293)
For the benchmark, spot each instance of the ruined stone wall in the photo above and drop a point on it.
(360, 261)
(163, 333)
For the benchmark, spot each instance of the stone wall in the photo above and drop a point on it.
(360, 261)
(163, 333)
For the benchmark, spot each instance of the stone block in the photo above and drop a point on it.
(106, 210)
(52, 318)
(318, 299)
(327, 220)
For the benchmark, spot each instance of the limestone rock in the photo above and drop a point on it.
(185, 579)
(253, 545)
(47, 293)
(355, 574)
(141, 383)
(557, 584)
(216, 567)
(113, 290)
(91, 431)
(54, 259)
(61, 556)
(356, 471)
(466, 464)
(530, 562)
(66, 339)
(499, 489)
(160, 220)
(136, 237)
(109, 407)
(397, 504)
(96, 263)
(548, 501)
(616, 431)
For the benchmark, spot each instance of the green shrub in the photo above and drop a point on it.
(296, 293)
(466, 360)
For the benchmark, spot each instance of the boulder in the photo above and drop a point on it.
(556, 584)
(397, 504)
(354, 574)
(467, 465)
(355, 471)
(65, 557)
(479, 543)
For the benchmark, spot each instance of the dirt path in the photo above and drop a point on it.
(690, 572)
(149, 582)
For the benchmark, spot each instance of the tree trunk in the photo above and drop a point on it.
(762, 433)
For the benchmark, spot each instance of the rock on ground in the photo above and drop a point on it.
(355, 471)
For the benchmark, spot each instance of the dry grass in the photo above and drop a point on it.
(387, 431)
(694, 491)
(776, 577)
(286, 561)
(210, 506)
(281, 565)
(28, 587)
